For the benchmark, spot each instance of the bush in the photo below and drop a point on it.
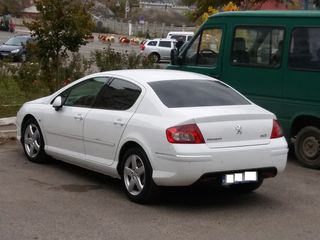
(109, 59)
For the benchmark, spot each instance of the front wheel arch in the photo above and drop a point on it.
(23, 123)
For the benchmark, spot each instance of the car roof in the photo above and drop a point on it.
(22, 36)
(162, 39)
(183, 33)
(152, 75)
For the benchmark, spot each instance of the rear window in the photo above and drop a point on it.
(196, 93)
(152, 43)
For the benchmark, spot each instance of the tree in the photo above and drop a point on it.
(13, 6)
(203, 5)
(61, 27)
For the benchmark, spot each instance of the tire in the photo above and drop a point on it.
(32, 142)
(155, 57)
(136, 177)
(307, 147)
(245, 187)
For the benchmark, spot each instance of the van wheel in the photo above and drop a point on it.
(136, 177)
(32, 141)
(307, 147)
(155, 57)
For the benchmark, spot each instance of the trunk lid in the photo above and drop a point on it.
(232, 126)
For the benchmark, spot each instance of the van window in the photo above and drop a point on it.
(304, 51)
(257, 46)
(204, 51)
(178, 37)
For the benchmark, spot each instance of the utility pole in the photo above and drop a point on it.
(127, 9)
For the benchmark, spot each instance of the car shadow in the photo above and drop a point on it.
(193, 197)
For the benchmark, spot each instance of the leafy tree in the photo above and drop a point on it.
(13, 6)
(60, 28)
(203, 5)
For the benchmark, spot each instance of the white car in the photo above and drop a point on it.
(155, 128)
(159, 49)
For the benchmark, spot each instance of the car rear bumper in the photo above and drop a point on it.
(183, 169)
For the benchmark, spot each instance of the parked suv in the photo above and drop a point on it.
(159, 49)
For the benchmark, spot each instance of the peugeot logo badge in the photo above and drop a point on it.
(238, 129)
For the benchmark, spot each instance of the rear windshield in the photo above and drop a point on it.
(196, 93)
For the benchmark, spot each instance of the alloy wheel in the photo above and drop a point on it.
(32, 140)
(134, 174)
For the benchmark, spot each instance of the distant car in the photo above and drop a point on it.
(155, 128)
(15, 48)
(158, 49)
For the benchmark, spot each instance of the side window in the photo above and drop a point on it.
(257, 46)
(204, 51)
(152, 43)
(83, 94)
(118, 95)
(304, 50)
(166, 44)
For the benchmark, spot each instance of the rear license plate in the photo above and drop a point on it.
(241, 177)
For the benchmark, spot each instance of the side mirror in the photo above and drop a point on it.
(174, 56)
(57, 103)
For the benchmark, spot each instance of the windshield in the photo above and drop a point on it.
(17, 41)
(196, 93)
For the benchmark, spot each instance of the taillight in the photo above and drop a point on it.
(276, 130)
(142, 47)
(185, 134)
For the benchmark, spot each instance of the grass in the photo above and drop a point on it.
(12, 98)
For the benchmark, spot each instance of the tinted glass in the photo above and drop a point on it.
(83, 94)
(196, 93)
(118, 95)
(254, 46)
(152, 43)
(305, 49)
(17, 41)
(165, 44)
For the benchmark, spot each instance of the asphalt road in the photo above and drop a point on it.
(60, 201)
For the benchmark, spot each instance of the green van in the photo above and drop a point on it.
(273, 57)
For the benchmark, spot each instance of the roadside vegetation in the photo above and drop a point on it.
(54, 61)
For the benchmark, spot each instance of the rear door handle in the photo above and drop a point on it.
(78, 117)
(119, 122)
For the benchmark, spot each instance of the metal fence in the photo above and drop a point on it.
(154, 29)
(122, 27)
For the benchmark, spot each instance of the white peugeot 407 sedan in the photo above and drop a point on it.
(155, 128)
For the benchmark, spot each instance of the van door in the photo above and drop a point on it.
(254, 64)
(204, 53)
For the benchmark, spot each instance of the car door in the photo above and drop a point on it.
(165, 49)
(64, 128)
(106, 121)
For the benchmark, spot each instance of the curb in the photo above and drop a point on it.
(7, 121)
(8, 130)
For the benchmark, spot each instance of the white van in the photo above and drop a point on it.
(186, 36)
